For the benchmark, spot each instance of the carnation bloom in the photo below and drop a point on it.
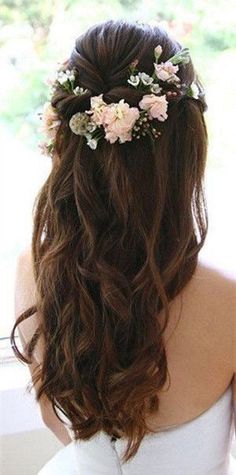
(118, 122)
(166, 71)
(50, 120)
(97, 110)
(155, 105)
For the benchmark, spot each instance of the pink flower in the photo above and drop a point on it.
(50, 120)
(43, 148)
(157, 52)
(97, 110)
(166, 71)
(119, 119)
(155, 105)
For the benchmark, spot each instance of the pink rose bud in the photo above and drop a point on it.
(157, 52)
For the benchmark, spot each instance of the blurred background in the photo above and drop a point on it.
(34, 37)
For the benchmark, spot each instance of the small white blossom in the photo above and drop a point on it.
(156, 88)
(92, 143)
(64, 76)
(145, 78)
(194, 90)
(70, 74)
(79, 90)
(134, 80)
(91, 127)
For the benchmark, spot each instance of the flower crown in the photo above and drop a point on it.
(119, 121)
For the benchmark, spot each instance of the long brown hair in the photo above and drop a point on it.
(116, 237)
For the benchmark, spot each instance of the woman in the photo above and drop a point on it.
(127, 334)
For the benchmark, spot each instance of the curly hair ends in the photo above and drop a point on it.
(116, 237)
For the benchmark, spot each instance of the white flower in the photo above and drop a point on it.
(145, 78)
(64, 76)
(79, 90)
(91, 127)
(79, 123)
(70, 74)
(155, 88)
(134, 80)
(157, 52)
(194, 90)
(92, 143)
(97, 101)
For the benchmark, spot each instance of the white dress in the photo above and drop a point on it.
(201, 446)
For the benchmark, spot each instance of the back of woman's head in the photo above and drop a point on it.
(117, 231)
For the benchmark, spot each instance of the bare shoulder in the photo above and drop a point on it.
(215, 284)
(24, 260)
(25, 297)
(217, 288)
(209, 309)
(218, 273)
(25, 287)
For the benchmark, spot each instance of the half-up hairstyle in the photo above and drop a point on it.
(116, 237)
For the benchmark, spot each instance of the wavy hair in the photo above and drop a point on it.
(116, 236)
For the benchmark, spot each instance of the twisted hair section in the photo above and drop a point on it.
(116, 237)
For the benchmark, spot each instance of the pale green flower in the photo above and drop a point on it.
(181, 57)
(145, 78)
(79, 123)
(194, 90)
(156, 88)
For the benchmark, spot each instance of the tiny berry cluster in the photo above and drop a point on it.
(144, 127)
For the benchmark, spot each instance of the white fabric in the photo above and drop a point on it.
(198, 447)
